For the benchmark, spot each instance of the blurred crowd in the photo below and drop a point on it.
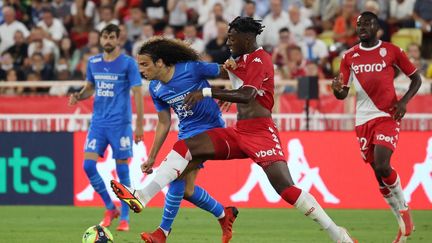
(52, 40)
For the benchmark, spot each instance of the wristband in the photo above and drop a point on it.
(207, 92)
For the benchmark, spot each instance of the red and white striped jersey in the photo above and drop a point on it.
(371, 70)
(255, 70)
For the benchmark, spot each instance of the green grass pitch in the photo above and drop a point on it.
(22, 224)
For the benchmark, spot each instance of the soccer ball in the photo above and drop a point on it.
(97, 234)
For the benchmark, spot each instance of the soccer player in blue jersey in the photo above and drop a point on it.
(110, 76)
(174, 70)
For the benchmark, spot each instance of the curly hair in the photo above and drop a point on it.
(246, 25)
(171, 51)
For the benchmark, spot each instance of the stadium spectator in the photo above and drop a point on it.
(53, 26)
(177, 13)
(423, 20)
(40, 44)
(11, 76)
(92, 41)
(9, 27)
(190, 33)
(146, 33)
(414, 53)
(217, 48)
(83, 14)
(107, 17)
(344, 26)
(69, 52)
(156, 12)
(374, 7)
(62, 10)
(273, 22)
(36, 10)
(210, 28)
(297, 23)
(262, 8)
(249, 10)
(134, 23)
(7, 63)
(205, 9)
(19, 50)
(279, 55)
(295, 67)
(384, 7)
(125, 43)
(328, 11)
(313, 49)
(37, 65)
(401, 13)
(232, 9)
(168, 32)
(62, 72)
(34, 77)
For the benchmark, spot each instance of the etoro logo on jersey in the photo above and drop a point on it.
(368, 68)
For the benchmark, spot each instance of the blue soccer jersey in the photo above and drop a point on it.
(188, 77)
(112, 81)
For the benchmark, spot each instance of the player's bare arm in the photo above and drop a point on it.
(243, 95)
(138, 97)
(339, 90)
(162, 129)
(85, 92)
(399, 109)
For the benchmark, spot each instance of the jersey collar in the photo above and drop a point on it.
(370, 48)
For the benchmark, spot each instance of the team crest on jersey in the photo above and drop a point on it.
(383, 52)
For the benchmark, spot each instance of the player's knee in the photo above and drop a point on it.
(189, 191)
(383, 170)
(89, 167)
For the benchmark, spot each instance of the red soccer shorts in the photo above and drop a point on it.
(256, 138)
(379, 131)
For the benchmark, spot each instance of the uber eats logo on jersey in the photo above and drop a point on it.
(27, 175)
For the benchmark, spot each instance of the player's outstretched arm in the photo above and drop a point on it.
(162, 129)
(399, 109)
(138, 97)
(243, 95)
(86, 92)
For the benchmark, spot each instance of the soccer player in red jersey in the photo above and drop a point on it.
(370, 66)
(254, 136)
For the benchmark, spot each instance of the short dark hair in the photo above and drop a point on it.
(369, 14)
(171, 51)
(250, 2)
(111, 28)
(246, 25)
(284, 29)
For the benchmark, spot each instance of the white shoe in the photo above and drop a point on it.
(345, 237)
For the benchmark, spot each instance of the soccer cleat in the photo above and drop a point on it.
(123, 226)
(406, 224)
(125, 194)
(158, 236)
(400, 238)
(227, 222)
(345, 237)
(109, 215)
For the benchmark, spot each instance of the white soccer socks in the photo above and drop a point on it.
(308, 205)
(170, 169)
